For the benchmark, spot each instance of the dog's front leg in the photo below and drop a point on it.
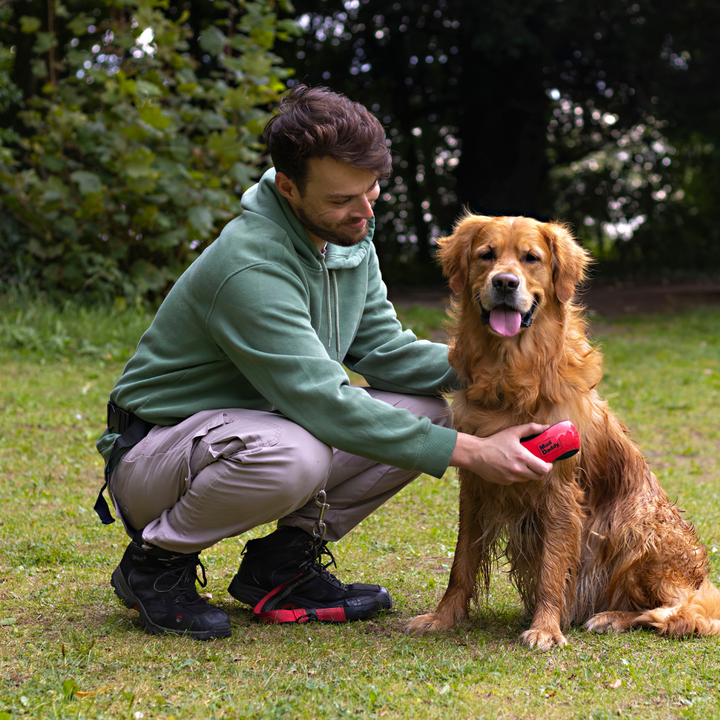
(453, 608)
(561, 520)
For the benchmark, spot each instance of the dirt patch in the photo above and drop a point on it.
(603, 300)
(627, 298)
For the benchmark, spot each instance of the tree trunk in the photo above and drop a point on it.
(503, 167)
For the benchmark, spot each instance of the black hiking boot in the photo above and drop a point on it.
(160, 585)
(283, 578)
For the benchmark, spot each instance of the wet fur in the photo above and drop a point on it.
(597, 541)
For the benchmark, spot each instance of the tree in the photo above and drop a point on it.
(130, 129)
(604, 114)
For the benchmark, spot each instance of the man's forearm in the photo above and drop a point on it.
(500, 458)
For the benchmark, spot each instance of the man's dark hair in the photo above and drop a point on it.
(317, 123)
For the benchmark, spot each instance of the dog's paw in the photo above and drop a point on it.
(424, 624)
(601, 623)
(612, 621)
(543, 639)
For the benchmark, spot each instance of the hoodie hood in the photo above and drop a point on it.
(265, 199)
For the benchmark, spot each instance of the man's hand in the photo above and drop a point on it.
(500, 458)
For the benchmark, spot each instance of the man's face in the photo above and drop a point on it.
(337, 203)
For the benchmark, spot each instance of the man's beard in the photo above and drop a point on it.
(331, 233)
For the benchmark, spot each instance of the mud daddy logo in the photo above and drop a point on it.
(549, 446)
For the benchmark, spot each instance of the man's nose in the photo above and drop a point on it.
(364, 207)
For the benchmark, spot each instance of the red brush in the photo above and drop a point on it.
(558, 442)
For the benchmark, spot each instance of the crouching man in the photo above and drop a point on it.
(236, 411)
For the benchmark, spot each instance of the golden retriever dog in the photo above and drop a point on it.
(597, 541)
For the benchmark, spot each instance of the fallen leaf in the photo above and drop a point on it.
(89, 693)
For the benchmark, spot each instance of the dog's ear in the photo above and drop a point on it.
(570, 261)
(455, 250)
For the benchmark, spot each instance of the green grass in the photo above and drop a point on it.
(68, 649)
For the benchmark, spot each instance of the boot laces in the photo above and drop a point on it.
(185, 576)
(318, 550)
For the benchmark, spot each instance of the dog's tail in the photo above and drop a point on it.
(697, 614)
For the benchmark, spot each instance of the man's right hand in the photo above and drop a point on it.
(500, 458)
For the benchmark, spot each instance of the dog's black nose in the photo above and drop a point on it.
(506, 281)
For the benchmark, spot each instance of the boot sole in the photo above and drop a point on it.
(253, 596)
(128, 598)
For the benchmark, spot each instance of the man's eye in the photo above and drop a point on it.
(342, 202)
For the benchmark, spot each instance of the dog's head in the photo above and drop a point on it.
(512, 267)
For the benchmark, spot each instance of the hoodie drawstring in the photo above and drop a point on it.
(330, 279)
(337, 316)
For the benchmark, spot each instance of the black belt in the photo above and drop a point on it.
(132, 430)
(119, 420)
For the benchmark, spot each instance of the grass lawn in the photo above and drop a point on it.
(69, 649)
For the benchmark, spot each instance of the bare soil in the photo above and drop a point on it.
(604, 300)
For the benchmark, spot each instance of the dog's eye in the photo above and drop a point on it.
(487, 255)
(530, 258)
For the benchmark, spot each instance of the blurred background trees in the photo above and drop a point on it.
(603, 114)
(129, 128)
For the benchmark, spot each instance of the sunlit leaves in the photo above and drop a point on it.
(29, 25)
(153, 116)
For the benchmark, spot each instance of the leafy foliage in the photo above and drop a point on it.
(604, 114)
(137, 132)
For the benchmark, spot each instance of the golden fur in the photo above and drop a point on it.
(597, 541)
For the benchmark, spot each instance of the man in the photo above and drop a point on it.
(236, 410)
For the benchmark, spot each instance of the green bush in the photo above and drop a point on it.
(133, 152)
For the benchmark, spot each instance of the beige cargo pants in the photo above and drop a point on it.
(221, 473)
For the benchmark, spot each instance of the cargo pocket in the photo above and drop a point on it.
(227, 437)
(157, 470)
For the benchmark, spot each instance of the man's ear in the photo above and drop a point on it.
(570, 261)
(455, 250)
(286, 187)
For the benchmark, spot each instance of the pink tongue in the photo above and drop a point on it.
(504, 321)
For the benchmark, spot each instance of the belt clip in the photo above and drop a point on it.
(319, 527)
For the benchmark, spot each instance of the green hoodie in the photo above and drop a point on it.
(263, 320)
